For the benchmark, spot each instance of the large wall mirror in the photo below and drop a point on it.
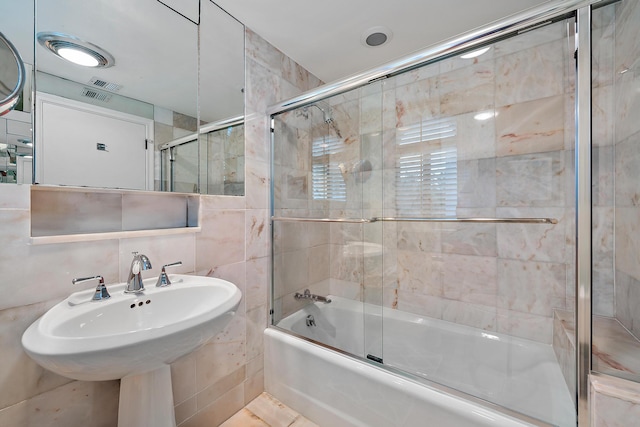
(144, 95)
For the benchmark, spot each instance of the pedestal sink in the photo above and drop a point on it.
(133, 337)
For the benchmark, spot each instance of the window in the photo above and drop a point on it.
(326, 176)
(427, 169)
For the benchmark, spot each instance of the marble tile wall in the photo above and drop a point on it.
(210, 384)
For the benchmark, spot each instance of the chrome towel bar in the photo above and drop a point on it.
(411, 219)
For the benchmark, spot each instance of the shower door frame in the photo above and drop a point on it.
(515, 24)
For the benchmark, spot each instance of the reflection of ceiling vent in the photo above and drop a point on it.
(94, 94)
(113, 87)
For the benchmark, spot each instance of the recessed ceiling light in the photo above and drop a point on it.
(376, 36)
(475, 53)
(76, 50)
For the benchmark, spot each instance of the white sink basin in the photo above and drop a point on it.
(133, 337)
(130, 333)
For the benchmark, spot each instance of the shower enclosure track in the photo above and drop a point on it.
(417, 219)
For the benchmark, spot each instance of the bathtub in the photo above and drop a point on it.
(334, 389)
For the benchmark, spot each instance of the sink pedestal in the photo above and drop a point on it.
(146, 400)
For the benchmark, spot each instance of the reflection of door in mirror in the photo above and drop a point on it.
(87, 145)
(147, 67)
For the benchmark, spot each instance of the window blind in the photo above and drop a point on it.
(427, 169)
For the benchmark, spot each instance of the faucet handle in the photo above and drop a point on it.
(163, 278)
(101, 292)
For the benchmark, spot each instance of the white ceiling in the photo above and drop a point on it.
(325, 36)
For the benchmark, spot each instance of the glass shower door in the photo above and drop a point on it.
(477, 306)
(327, 188)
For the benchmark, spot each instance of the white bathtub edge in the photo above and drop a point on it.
(334, 390)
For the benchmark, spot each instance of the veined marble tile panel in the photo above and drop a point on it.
(257, 233)
(525, 325)
(345, 267)
(212, 202)
(627, 103)
(533, 242)
(627, 35)
(293, 145)
(602, 162)
(222, 240)
(370, 109)
(319, 263)
(419, 237)
(531, 287)
(69, 405)
(290, 271)
(424, 305)
(183, 379)
(469, 239)
(627, 241)
(257, 282)
(218, 411)
(227, 349)
(420, 272)
(466, 90)
(220, 387)
(474, 315)
(470, 279)
(602, 237)
(627, 294)
(417, 101)
(475, 139)
(627, 163)
(531, 180)
(603, 292)
(15, 228)
(51, 268)
(256, 323)
(20, 376)
(476, 183)
(530, 127)
(602, 116)
(532, 73)
(257, 184)
(15, 196)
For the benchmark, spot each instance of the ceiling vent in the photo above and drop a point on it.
(94, 94)
(113, 87)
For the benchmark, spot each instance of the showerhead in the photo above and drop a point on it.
(326, 111)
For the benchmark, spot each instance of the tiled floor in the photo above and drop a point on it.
(266, 411)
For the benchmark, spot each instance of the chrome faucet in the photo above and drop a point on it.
(134, 282)
(101, 292)
(163, 278)
(313, 297)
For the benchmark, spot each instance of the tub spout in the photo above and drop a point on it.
(308, 295)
